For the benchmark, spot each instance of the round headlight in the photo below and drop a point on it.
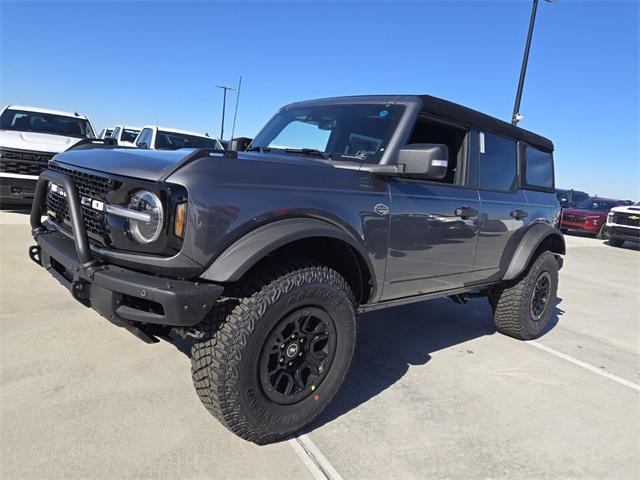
(148, 229)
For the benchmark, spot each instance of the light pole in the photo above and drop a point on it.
(516, 117)
(224, 106)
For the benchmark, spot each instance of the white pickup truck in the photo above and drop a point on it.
(29, 137)
(623, 223)
(125, 135)
(161, 138)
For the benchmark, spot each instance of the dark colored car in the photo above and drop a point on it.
(590, 216)
(264, 257)
(570, 198)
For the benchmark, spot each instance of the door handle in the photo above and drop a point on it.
(519, 214)
(466, 212)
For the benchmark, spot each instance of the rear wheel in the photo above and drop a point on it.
(616, 242)
(522, 307)
(273, 358)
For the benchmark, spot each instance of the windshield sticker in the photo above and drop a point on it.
(383, 113)
(361, 155)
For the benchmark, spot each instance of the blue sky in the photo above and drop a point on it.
(143, 63)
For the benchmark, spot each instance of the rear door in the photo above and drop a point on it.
(503, 205)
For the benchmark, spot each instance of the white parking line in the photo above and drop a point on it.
(314, 460)
(585, 365)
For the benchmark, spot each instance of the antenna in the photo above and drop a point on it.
(235, 114)
(224, 106)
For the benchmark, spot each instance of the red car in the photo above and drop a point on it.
(590, 216)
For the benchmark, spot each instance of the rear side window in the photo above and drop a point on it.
(539, 168)
(498, 165)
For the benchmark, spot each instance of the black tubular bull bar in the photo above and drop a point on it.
(130, 299)
(75, 212)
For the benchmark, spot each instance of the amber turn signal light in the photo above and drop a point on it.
(181, 220)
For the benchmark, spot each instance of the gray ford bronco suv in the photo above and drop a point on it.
(264, 257)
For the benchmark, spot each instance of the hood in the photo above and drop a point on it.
(157, 165)
(145, 164)
(628, 209)
(38, 142)
(583, 213)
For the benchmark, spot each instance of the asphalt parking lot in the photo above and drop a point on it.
(433, 391)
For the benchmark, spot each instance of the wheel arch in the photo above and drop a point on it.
(310, 238)
(538, 238)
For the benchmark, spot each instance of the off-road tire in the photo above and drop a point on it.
(224, 361)
(616, 242)
(511, 300)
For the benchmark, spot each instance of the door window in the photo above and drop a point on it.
(498, 165)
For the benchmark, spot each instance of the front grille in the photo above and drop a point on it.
(89, 185)
(23, 162)
(574, 218)
(626, 219)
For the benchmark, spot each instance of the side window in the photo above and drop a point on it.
(539, 169)
(145, 138)
(498, 165)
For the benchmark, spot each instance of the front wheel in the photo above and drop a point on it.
(522, 307)
(273, 358)
(602, 233)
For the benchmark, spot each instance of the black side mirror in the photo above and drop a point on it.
(426, 161)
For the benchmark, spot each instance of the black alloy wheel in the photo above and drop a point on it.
(297, 355)
(540, 296)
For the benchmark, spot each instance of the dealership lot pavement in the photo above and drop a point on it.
(433, 392)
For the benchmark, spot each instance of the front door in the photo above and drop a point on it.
(432, 237)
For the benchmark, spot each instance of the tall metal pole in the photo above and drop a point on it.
(523, 71)
(235, 114)
(224, 106)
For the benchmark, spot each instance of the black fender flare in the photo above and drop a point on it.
(245, 252)
(528, 245)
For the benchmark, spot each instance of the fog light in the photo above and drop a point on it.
(181, 220)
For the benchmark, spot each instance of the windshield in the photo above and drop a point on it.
(129, 135)
(174, 141)
(597, 205)
(343, 132)
(38, 122)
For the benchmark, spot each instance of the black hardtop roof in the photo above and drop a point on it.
(473, 118)
(446, 110)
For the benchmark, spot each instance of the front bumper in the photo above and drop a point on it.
(128, 298)
(16, 190)
(582, 227)
(623, 233)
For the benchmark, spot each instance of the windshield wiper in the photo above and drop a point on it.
(304, 151)
(309, 151)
